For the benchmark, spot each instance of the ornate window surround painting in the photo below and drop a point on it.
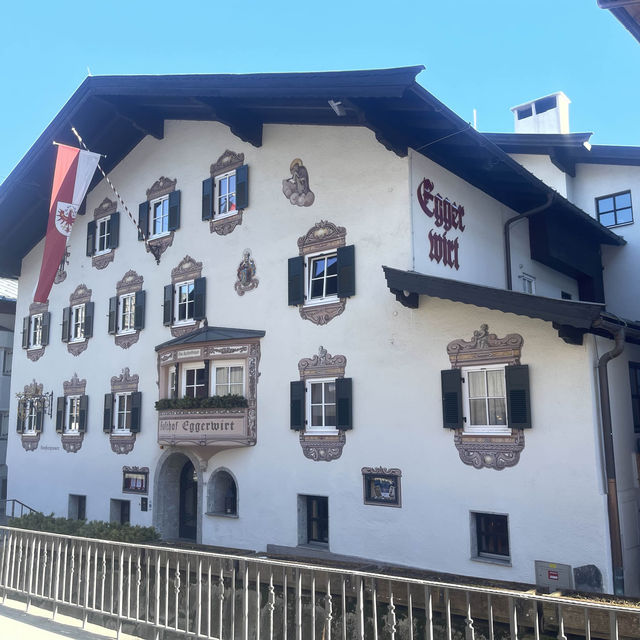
(489, 450)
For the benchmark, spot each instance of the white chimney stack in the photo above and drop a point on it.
(544, 115)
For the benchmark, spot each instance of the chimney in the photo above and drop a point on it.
(544, 115)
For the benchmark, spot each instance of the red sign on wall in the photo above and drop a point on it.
(446, 215)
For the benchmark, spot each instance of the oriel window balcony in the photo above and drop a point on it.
(208, 381)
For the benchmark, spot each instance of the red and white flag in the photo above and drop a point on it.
(71, 179)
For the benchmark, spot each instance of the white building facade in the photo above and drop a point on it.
(339, 366)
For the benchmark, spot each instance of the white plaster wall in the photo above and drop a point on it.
(542, 167)
(591, 182)
(481, 253)
(553, 496)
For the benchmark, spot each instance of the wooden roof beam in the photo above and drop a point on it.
(144, 120)
(244, 125)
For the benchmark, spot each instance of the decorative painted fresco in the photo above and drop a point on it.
(446, 215)
(246, 274)
(296, 188)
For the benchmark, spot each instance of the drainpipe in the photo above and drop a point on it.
(507, 237)
(609, 459)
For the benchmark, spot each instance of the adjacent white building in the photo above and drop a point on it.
(317, 296)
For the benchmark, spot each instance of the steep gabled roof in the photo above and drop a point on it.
(114, 113)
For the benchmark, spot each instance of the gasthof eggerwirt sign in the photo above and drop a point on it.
(201, 426)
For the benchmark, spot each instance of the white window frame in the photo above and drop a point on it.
(131, 314)
(72, 411)
(216, 207)
(309, 428)
(227, 364)
(172, 383)
(191, 366)
(124, 397)
(309, 260)
(176, 302)
(103, 232)
(153, 217)
(78, 315)
(7, 356)
(35, 331)
(30, 417)
(485, 429)
(528, 283)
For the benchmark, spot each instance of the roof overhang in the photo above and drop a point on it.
(572, 319)
(566, 149)
(114, 113)
(627, 12)
(212, 334)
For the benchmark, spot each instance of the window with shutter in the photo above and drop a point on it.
(451, 381)
(174, 211)
(139, 305)
(323, 276)
(518, 404)
(26, 322)
(143, 220)
(107, 414)
(297, 408)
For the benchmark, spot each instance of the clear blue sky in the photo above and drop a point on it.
(485, 55)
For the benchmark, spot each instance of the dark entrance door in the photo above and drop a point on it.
(188, 502)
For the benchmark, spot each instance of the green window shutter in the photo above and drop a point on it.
(138, 318)
(344, 419)
(242, 187)
(61, 404)
(346, 271)
(88, 319)
(296, 280)
(143, 220)
(518, 403)
(208, 188)
(46, 324)
(26, 326)
(91, 238)
(451, 399)
(66, 324)
(113, 315)
(107, 415)
(199, 298)
(174, 210)
(136, 409)
(297, 405)
(167, 311)
(39, 418)
(84, 414)
(114, 230)
(20, 421)
(207, 375)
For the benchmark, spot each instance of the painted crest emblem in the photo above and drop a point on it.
(65, 217)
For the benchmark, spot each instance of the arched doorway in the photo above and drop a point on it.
(177, 511)
(188, 524)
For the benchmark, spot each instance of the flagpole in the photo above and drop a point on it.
(155, 251)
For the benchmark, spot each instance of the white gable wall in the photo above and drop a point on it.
(481, 252)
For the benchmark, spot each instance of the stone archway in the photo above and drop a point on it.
(166, 492)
